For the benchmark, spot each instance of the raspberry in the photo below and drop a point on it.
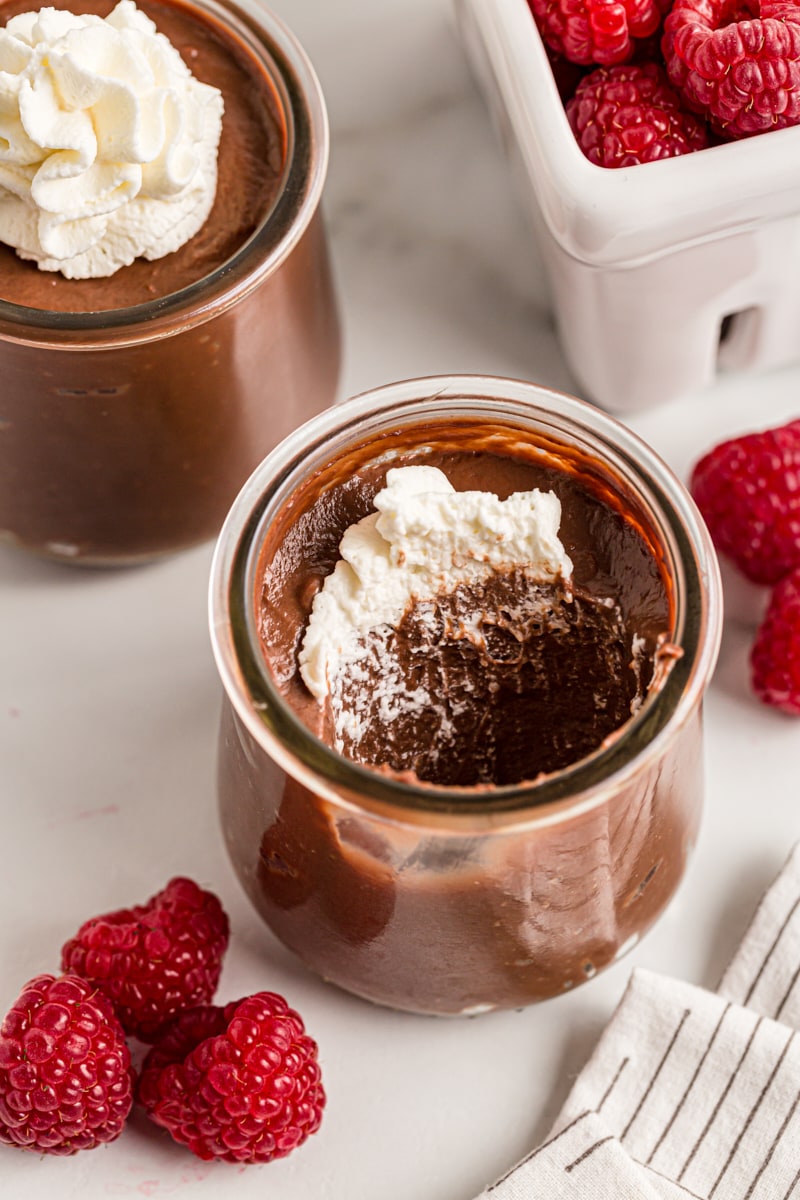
(775, 657)
(596, 31)
(748, 490)
(625, 115)
(66, 1082)
(241, 1083)
(735, 62)
(154, 960)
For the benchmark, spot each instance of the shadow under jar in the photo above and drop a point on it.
(133, 408)
(429, 895)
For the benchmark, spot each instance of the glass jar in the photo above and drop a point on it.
(127, 433)
(451, 900)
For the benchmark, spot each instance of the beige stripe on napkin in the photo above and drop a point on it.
(765, 972)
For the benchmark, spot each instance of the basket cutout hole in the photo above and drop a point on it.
(738, 335)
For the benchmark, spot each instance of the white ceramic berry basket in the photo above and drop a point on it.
(660, 274)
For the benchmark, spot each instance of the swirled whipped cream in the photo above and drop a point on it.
(108, 144)
(424, 539)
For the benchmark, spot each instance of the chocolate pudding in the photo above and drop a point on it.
(126, 432)
(251, 159)
(495, 795)
(519, 678)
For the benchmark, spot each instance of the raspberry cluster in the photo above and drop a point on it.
(748, 490)
(239, 1082)
(661, 78)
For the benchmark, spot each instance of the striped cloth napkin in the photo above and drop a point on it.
(689, 1093)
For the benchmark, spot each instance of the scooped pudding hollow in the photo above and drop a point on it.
(496, 674)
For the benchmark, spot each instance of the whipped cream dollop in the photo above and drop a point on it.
(108, 144)
(424, 539)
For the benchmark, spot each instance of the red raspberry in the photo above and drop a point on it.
(240, 1083)
(154, 960)
(596, 31)
(622, 116)
(748, 490)
(736, 63)
(775, 657)
(66, 1082)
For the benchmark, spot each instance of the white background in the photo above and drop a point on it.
(109, 699)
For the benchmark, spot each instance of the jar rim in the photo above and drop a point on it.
(270, 41)
(270, 719)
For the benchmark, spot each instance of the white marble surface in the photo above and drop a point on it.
(109, 699)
